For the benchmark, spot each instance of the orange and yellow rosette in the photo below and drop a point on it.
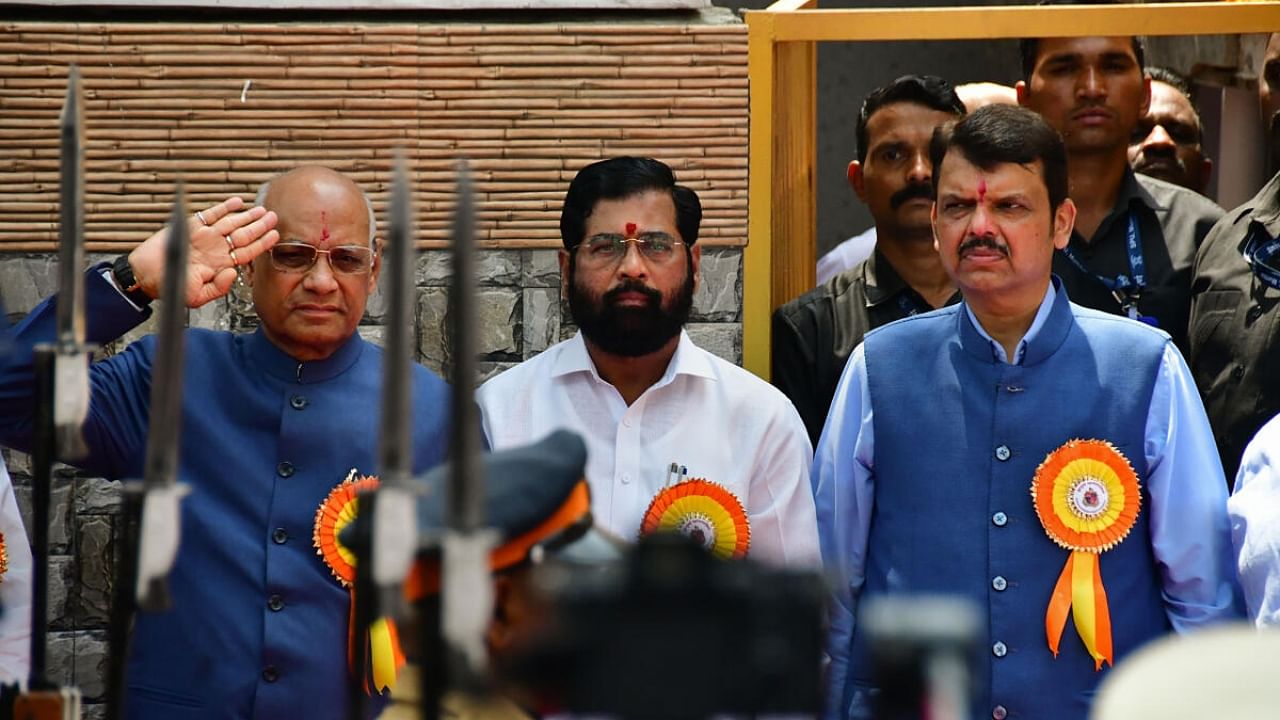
(4, 558)
(1087, 498)
(703, 511)
(382, 646)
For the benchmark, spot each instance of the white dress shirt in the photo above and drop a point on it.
(1255, 525)
(712, 417)
(15, 589)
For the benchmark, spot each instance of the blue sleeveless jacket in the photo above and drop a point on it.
(959, 436)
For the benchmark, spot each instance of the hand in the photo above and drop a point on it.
(223, 238)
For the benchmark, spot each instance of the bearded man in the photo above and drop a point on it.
(658, 413)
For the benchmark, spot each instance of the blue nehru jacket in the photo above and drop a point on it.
(258, 627)
(953, 452)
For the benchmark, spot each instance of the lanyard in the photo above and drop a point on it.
(1260, 252)
(1125, 288)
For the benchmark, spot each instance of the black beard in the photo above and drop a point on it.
(629, 331)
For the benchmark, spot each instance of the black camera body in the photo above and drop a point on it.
(672, 632)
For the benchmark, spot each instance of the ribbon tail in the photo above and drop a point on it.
(1055, 619)
(386, 655)
(1105, 651)
(1084, 578)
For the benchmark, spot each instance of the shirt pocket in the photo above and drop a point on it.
(1212, 340)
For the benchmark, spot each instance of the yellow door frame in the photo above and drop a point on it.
(778, 262)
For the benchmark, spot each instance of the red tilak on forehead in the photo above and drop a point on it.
(982, 188)
(324, 226)
(631, 229)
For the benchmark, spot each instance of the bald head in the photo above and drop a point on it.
(322, 183)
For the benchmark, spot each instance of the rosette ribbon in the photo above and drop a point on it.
(4, 558)
(1087, 498)
(703, 511)
(383, 654)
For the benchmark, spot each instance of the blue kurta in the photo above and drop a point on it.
(258, 627)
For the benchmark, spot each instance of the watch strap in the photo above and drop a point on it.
(122, 273)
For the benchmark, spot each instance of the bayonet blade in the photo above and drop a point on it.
(161, 527)
(71, 364)
(70, 312)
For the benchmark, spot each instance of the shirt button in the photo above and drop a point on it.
(1002, 453)
(285, 469)
(999, 583)
(625, 478)
(279, 536)
(999, 713)
(275, 603)
(298, 402)
(626, 421)
(270, 674)
(999, 649)
(999, 519)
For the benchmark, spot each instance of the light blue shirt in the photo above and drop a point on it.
(1255, 525)
(1190, 535)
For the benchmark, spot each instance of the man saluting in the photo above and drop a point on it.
(272, 421)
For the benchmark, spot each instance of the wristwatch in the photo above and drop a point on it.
(122, 273)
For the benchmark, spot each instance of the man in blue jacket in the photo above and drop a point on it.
(1042, 460)
(272, 422)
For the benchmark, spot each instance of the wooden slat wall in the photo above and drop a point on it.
(528, 105)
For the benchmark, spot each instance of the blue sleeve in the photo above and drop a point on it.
(1190, 533)
(115, 429)
(842, 480)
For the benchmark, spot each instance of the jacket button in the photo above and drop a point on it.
(999, 519)
(285, 469)
(999, 583)
(1002, 453)
(999, 713)
(1237, 372)
(298, 402)
(270, 674)
(279, 536)
(1253, 314)
(276, 603)
(999, 649)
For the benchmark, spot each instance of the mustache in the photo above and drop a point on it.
(655, 297)
(914, 191)
(1160, 160)
(983, 241)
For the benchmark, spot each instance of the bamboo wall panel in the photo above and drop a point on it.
(226, 106)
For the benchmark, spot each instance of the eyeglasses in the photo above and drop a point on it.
(609, 248)
(296, 257)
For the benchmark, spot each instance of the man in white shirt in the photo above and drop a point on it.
(655, 409)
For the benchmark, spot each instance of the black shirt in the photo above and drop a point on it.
(814, 334)
(1172, 222)
(1235, 329)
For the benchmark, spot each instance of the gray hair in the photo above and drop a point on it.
(261, 198)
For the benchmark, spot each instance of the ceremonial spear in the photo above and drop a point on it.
(388, 517)
(152, 516)
(62, 403)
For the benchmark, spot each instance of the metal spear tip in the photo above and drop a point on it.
(72, 107)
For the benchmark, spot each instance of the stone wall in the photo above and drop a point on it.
(520, 315)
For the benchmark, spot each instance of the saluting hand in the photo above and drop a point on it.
(223, 238)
